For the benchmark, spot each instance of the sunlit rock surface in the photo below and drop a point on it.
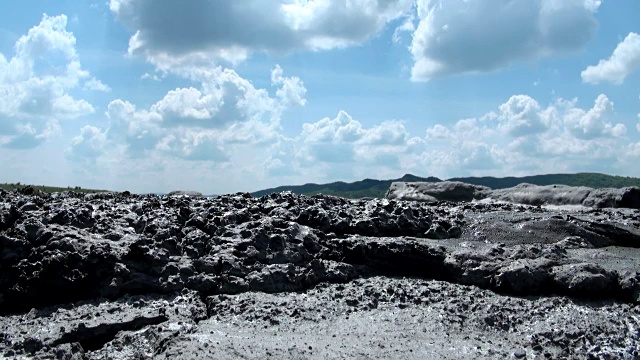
(126, 276)
(526, 194)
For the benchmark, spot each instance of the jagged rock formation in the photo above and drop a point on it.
(141, 276)
(528, 194)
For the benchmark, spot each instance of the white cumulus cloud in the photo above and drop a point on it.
(96, 85)
(468, 36)
(624, 60)
(520, 137)
(204, 122)
(387, 133)
(225, 98)
(521, 115)
(292, 91)
(525, 137)
(35, 84)
(170, 33)
(88, 145)
(345, 140)
(438, 132)
(147, 76)
(594, 122)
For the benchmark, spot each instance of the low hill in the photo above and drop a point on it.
(370, 188)
(48, 189)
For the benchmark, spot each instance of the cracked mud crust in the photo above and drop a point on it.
(124, 276)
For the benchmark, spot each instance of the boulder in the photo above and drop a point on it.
(583, 279)
(437, 191)
(628, 197)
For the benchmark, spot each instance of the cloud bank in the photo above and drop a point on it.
(175, 33)
(196, 123)
(35, 85)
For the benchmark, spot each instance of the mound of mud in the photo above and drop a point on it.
(527, 194)
(141, 276)
(437, 191)
(569, 195)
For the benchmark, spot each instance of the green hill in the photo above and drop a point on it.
(370, 188)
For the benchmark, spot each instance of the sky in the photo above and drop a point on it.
(222, 96)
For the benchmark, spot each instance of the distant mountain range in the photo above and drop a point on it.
(369, 188)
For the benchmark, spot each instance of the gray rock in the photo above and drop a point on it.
(523, 276)
(134, 270)
(527, 194)
(628, 197)
(575, 242)
(520, 354)
(436, 191)
(630, 285)
(583, 279)
(542, 195)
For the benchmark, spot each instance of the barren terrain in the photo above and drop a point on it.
(125, 276)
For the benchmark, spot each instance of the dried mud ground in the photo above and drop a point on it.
(121, 276)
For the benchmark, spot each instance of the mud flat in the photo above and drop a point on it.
(126, 276)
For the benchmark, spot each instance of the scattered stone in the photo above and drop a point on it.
(520, 354)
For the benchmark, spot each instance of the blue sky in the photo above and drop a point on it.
(225, 96)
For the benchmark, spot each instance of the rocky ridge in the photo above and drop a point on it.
(139, 276)
(527, 194)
